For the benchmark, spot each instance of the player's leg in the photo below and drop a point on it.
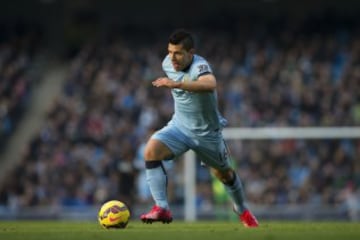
(216, 156)
(164, 144)
(234, 188)
(156, 176)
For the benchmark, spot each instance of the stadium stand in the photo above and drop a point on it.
(17, 51)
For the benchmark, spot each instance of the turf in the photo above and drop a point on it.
(270, 230)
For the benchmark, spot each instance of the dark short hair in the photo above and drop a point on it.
(181, 36)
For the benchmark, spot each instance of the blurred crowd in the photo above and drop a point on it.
(16, 53)
(90, 147)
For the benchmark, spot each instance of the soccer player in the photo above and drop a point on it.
(196, 124)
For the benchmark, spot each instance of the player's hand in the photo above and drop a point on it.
(165, 82)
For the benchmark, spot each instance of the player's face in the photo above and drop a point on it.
(180, 58)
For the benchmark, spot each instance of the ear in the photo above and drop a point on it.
(192, 51)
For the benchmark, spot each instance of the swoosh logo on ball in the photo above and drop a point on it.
(114, 219)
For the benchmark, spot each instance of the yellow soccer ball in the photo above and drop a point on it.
(114, 214)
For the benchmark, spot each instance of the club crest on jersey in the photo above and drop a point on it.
(203, 68)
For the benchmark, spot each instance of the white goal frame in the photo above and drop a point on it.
(190, 211)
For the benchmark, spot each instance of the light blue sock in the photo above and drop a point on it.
(157, 180)
(237, 194)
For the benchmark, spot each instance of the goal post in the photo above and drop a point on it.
(292, 133)
(190, 211)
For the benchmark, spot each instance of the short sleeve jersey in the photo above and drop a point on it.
(194, 112)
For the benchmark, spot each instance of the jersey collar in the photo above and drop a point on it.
(186, 69)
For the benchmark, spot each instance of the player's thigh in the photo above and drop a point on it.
(214, 154)
(173, 139)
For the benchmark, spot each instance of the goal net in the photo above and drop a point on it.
(345, 136)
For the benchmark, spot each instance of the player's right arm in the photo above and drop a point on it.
(204, 83)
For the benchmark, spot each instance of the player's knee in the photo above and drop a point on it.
(156, 151)
(226, 177)
(150, 153)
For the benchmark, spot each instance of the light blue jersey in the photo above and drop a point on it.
(196, 123)
(196, 113)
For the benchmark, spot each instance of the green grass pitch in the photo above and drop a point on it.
(268, 230)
